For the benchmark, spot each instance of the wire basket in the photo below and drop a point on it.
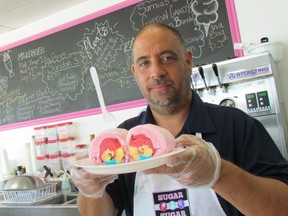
(30, 196)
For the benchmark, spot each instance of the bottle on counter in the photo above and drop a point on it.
(23, 169)
(65, 187)
(91, 137)
(19, 170)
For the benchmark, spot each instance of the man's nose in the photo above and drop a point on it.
(157, 70)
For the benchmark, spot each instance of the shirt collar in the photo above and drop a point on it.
(198, 119)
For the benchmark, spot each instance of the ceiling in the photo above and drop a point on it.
(17, 13)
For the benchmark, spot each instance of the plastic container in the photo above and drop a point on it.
(66, 146)
(29, 197)
(41, 161)
(275, 50)
(66, 158)
(52, 147)
(64, 130)
(40, 134)
(54, 162)
(51, 132)
(80, 151)
(40, 148)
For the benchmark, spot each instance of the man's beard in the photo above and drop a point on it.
(168, 101)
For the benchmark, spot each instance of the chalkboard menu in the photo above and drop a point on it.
(49, 76)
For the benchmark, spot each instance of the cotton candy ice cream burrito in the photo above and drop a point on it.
(109, 147)
(147, 141)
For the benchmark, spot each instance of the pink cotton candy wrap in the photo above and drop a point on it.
(94, 148)
(163, 141)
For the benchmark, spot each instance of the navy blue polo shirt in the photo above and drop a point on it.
(238, 137)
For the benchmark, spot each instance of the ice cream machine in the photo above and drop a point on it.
(249, 83)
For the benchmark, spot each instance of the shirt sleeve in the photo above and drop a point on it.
(244, 141)
(259, 155)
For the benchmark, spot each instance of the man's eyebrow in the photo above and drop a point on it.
(169, 52)
(141, 58)
(161, 53)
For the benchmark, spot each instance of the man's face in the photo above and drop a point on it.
(162, 69)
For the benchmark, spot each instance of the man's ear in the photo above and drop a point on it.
(133, 69)
(189, 59)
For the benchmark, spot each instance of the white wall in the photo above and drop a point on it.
(256, 19)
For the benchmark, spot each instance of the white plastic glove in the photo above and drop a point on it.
(90, 185)
(198, 165)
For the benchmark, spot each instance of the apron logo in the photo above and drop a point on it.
(171, 203)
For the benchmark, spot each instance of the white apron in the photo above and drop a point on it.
(161, 195)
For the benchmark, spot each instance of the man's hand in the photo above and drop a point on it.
(90, 185)
(198, 165)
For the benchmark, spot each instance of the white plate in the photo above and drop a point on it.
(129, 167)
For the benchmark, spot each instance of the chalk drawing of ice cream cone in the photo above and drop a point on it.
(205, 13)
(206, 28)
(8, 64)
